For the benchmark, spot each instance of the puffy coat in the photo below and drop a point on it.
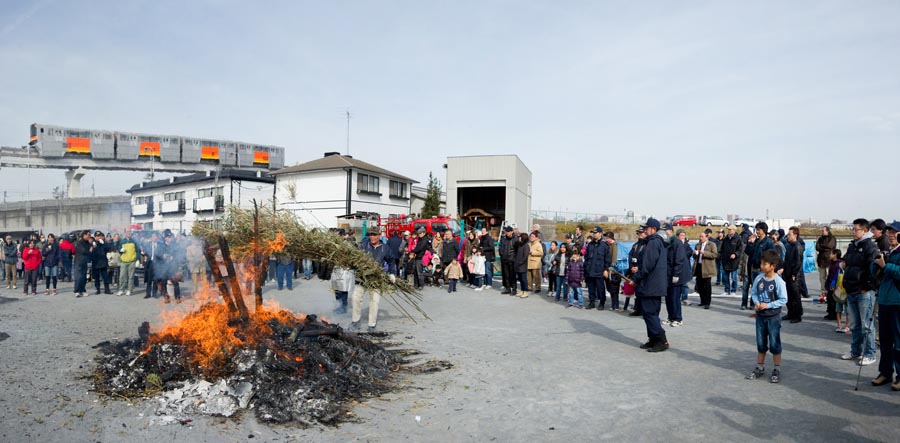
(523, 250)
(731, 245)
(51, 254)
(449, 252)
(422, 244)
(650, 279)
(454, 271)
(535, 255)
(596, 258)
(31, 258)
(755, 249)
(487, 248)
(706, 262)
(98, 255)
(858, 276)
(393, 247)
(508, 249)
(889, 290)
(10, 253)
(83, 252)
(676, 262)
(793, 261)
(575, 272)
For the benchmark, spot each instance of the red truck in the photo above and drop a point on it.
(439, 224)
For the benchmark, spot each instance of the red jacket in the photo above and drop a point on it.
(31, 257)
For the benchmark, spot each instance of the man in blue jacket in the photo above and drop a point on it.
(756, 244)
(393, 253)
(650, 285)
(678, 265)
(376, 249)
(596, 262)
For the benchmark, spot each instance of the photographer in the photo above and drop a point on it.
(860, 286)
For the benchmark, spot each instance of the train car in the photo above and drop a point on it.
(217, 151)
(57, 141)
(260, 156)
(276, 157)
(134, 146)
(190, 150)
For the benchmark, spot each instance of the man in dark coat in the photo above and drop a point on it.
(633, 257)
(422, 245)
(730, 255)
(82, 259)
(596, 261)
(507, 261)
(676, 261)
(825, 244)
(650, 285)
(860, 284)
(791, 273)
(393, 253)
(99, 262)
(487, 250)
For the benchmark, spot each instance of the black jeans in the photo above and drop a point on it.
(613, 289)
(596, 289)
(704, 288)
(509, 275)
(80, 277)
(650, 307)
(100, 273)
(794, 303)
(889, 332)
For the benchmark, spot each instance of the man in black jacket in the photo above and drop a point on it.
(99, 263)
(508, 261)
(650, 285)
(487, 249)
(730, 255)
(677, 263)
(859, 283)
(633, 256)
(596, 262)
(422, 245)
(792, 272)
(82, 258)
(393, 253)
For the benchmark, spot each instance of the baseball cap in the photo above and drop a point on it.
(639, 230)
(722, 231)
(667, 226)
(732, 228)
(895, 226)
(611, 235)
(597, 230)
(569, 236)
(773, 232)
(651, 223)
(508, 228)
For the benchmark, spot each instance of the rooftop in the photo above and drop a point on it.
(224, 174)
(334, 160)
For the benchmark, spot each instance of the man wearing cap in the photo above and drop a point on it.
(377, 250)
(507, 261)
(612, 280)
(99, 262)
(596, 264)
(650, 285)
(756, 244)
(889, 310)
(677, 261)
(422, 244)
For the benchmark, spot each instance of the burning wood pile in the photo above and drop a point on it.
(222, 357)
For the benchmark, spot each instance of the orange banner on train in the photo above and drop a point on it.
(209, 152)
(78, 145)
(261, 157)
(149, 149)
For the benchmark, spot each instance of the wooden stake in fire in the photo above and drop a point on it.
(232, 278)
(217, 277)
(261, 263)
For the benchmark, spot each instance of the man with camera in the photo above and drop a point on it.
(859, 282)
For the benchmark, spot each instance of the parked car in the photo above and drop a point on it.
(748, 221)
(684, 220)
(713, 220)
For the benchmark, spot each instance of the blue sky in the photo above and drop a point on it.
(657, 107)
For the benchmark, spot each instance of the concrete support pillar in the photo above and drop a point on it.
(73, 182)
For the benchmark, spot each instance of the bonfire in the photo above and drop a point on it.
(219, 357)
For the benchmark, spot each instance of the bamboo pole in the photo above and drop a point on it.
(232, 278)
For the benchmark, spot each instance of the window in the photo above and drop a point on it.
(368, 184)
(142, 200)
(398, 189)
(209, 192)
(439, 227)
(173, 196)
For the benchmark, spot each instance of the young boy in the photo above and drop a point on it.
(769, 294)
(454, 273)
(574, 278)
(835, 293)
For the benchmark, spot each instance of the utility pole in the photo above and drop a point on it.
(348, 131)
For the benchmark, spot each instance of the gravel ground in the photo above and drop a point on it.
(525, 370)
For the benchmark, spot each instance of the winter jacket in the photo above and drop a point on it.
(83, 252)
(422, 244)
(730, 245)
(549, 259)
(66, 250)
(98, 255)
(706, 261)
(858, 276)
(487, 248)
(634, 255)
(31, 258)
(10, 253)
(889, 290)
(754, 251)
(50, 252)
(128, 250)
(449, 252)
(575, 273)
(453, 270)
(597, 258)
(559, 263)
(478, 264)
(535, 255)
(393, 247)
(578, 241)
(686, 271)
(378, 252)
(676, 262)
(824, 246)
(793, 262)
(508, 249)
(650, 279)
(523, 250)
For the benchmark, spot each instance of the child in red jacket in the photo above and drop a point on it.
(31, 261)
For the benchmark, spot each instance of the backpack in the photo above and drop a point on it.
(838, 287)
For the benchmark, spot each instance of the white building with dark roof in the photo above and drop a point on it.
(336, 186)
(179, 202)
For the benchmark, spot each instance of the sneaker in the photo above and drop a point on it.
(667, 322)
(659, 346)
(757, 373)
(849, 356)
(684, 303)
(839, 330)
(8, 287)
(880, 380)
(128, 293)
(54, 291)
(523, 295)
(846, 330)
(119, 293)
(78, 295)
(485, 287)
(866, 361)
(479, 289)
(647, 345)
(676, 323)
(354, 326)
(776, 376)
(743, 308)
(46, 292)
(569, 306)
(895, 386)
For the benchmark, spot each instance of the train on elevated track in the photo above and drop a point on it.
(60, 142)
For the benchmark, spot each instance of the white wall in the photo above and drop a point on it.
(321, 196)
(492, 170)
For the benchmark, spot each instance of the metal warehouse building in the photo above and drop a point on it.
(492, 188)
